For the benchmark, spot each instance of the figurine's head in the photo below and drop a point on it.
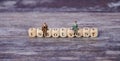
(75, 21)
(44, 22)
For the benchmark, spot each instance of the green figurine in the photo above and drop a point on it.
(75, 28)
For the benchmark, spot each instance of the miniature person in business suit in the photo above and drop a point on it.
(75, 28)
(44, 29)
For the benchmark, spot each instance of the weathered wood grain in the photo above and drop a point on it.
(15, 45)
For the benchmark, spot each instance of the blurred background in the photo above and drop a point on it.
(60, 5)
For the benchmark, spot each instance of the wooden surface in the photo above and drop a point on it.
(15, 45)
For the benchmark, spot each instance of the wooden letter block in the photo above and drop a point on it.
(86, 32)
(49, 33)
(39, 32)
(32, 32)
(93, 32)
(63, 32)
(55, 32)
(80, 33)
(70, 33)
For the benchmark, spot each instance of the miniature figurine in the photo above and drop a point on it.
(44, 29)
(75, 28)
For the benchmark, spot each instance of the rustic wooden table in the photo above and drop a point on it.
(15, 45)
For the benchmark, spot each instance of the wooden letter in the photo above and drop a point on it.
(80, 33)
(39, 32)
(70, 33)
(32, 32)
(86, 32)
(55, 32)
(49, 33)
(93, 32)
(63, 32)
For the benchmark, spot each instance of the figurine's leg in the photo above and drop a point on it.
(43, 34)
